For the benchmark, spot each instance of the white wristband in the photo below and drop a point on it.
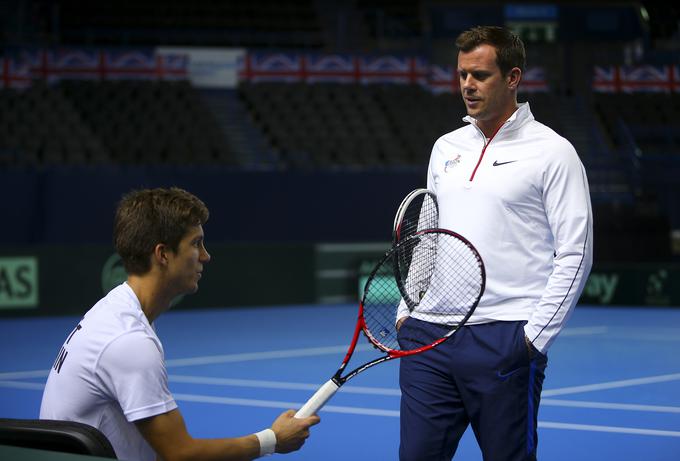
(267, 440)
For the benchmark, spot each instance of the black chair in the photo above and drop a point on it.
(62, 436)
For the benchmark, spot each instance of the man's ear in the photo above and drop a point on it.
(160, 254)
(514, 77)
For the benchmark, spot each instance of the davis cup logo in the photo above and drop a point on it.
(451, 163)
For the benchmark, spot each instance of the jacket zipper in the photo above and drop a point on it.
(481, 156)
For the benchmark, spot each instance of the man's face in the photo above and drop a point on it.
(485, 90)
(186, 264)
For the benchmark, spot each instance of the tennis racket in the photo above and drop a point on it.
(418, 211)
(440, 278)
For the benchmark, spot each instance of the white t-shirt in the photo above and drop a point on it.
(109, 373)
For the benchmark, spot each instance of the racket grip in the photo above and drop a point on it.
(318, 400)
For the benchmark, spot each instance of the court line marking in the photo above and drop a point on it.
(265, 355)
(284, 405)
(363, 390)
(23, 385)
(611, 385)
(635, 336)
(280, 385)
(584, 331)
(313, 351)
(395, 392)
(369, 390)
(395, 414)
(655, 335)
(275, 354)
(610, 406)
(379, 412)
(24, 374)
(611, 429)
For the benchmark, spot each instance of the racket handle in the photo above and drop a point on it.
(318, 400)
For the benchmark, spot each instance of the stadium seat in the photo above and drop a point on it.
(651, 120)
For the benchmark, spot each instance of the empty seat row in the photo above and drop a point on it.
(120, 122)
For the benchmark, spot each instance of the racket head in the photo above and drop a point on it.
(442, 283)
(418, 211)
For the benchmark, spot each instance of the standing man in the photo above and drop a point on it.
(110, 372)
(519, 193)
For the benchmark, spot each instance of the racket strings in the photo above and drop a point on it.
(415, 266)
(420, 214)
(460, 282)
(437, 275)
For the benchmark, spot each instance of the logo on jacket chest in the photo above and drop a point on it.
(450, 164)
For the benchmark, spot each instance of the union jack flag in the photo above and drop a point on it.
(331, 68)
(14, 74)
(607, 79)
(77, 63)
(533, 80)
(293, 67)
(631, 79)
(144, 64)
(55, 64)
(443, 79)
(286, 67)
(261, 67)
(393, 69)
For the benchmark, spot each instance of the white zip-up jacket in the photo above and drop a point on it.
(522, 199)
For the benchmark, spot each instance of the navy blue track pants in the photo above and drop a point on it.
(482, 376)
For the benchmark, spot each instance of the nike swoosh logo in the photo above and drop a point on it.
(504, 376)
(497, 163)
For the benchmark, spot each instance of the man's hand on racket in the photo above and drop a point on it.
(292, 432)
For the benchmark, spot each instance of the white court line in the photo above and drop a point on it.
(251, 383)
(385, 413)
(610, 406)
(22, 385)
(284, 405)
(656, 334)
(363, 390)
(584, 331)
(314, 351)
(611, 385)
(281, 385)
(612, 429)
(357, 389)
(395, 414)
(25, 374)
(653, 337)
(265, 355)
(225, 358)
(277, 354)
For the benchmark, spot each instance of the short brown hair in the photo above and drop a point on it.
(147, 217)
(509, 47)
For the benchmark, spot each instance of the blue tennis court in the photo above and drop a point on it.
(612, 389)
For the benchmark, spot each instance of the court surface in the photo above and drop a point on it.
(612, 390)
